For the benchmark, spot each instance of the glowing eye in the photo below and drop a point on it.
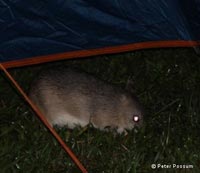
(136, 118)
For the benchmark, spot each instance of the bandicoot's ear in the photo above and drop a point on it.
(130, 84)
(123, 98)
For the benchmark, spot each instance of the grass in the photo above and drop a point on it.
(167, 81)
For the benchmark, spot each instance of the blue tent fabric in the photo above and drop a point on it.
(31, 28)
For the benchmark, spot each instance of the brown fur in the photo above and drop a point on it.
(69, 97)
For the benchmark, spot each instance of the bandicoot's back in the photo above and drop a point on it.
(69, 97)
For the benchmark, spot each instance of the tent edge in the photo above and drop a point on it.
(99, 51)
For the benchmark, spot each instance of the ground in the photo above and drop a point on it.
(167, 82)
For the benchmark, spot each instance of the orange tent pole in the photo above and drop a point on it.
(45, 122)
(99, 51)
